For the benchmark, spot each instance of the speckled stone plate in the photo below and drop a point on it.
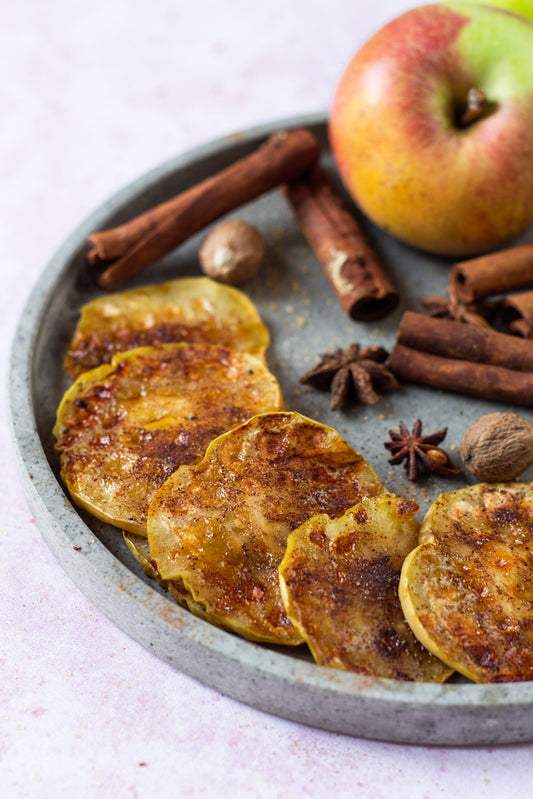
(305, 319)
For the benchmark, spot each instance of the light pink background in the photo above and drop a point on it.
(92, 95)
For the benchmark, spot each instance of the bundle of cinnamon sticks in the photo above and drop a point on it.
(454, 356)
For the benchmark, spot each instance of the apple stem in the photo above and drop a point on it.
(476, 106)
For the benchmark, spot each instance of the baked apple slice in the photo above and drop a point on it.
(123, 428)
(339, 583)
(467, 589)
(186, 309)
(140, 549)
(221, 526)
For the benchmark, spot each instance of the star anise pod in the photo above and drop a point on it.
(352, 373)
(478, 314)
(420, 453)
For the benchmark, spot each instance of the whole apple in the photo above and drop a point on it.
(431, 127)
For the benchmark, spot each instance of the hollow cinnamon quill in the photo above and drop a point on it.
(493, 274)
(517, 313)
(122, 252)
(351, 264)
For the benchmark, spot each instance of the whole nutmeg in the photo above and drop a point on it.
(498, 447)
(232, 252)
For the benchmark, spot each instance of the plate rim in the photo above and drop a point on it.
(278, 684)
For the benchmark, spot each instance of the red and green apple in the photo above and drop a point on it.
(431, 127)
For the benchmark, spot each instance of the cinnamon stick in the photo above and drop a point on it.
(351, 264)
(122, 252)
(517, 313)
(463, 377)
(457, 340)
(496, 273)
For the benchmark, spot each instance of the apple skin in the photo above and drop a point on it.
(524, 7)
(413, 170)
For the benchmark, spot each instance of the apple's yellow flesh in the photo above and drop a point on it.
(393, 128)
(123, 428)
(466, 589)
(220, 528)
(339, 584)
(184, 309)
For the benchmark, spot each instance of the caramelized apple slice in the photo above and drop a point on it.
(467, 590)
(122, 429)
(186, 309)
(221, 526)
(339, 583)
(139, 548)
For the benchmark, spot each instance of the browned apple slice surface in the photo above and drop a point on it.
(467, 589)
(221, 526)
(186, 309)
(339, 583)
(122, 429)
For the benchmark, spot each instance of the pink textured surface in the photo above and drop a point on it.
(92, 96)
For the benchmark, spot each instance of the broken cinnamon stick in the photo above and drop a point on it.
(493, 274)
(122, 252)
(450, 339)
(351, 264)
(516, 313)
(463, 377)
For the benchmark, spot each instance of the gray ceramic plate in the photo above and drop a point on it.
(305, 320)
